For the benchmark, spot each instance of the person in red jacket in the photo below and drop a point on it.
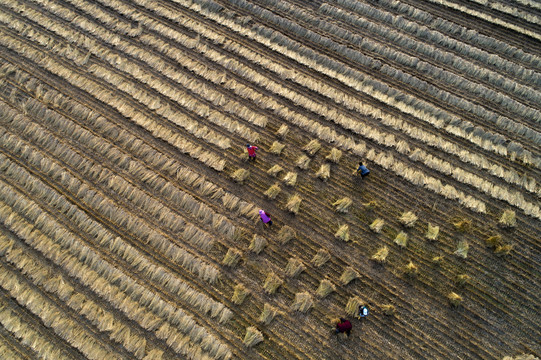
(251, 151)
(344, 326)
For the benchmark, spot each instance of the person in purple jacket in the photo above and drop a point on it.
(265, 218)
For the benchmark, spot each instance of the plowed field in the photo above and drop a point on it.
(129, 224)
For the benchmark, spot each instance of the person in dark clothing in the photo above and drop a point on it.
(363, 312)
(362, 170)
(343, 326)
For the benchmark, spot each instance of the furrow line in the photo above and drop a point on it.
(53, 316)
(30, 331)
(23, 267)
(105, 317)
(125, 109)
(97, 266)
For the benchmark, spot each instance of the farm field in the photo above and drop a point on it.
(129, 223)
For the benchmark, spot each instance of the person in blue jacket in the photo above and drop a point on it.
(362, 170)
(362, 312)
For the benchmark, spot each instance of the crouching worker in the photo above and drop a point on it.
(363, 312)
(362, 170)
(265, 218)
(251, 151)
(343, 326)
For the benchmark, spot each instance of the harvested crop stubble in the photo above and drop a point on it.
(377, 225)
(294, 203)
(371, 205)
(282, 131)
(454, 299)
(401, 239)
(232, 257)
(118, 216)
(53, 316)
(239, 294)
(43, 275)
(286, 234)
(334, 155)
(258, 243)
(320, 258)
(268, 314)
(349, 275)
(387, 119)
(432, 232)
(240, 175)
(312, 147)
(419, 108)
(231, 53)
(462, 249)
(243, 156)
(290, 179)
(274, 170)
(494, 241)
(324, 172)
(411, 269)
(388, 309)
(122, 302)
(342, 233)
(252, 337)
(325, 288)
(508, 219)
(352, 306)
(342, 205)
(462, 225)
(302, 162)
(272, 283)
(303, 302)
(408, 219)
(165, 189)
(172, 283)
(522, 356)
(46, 223)
(133, 114)
(28, 334)
(294, 267)
(276, 148)
(381, 255)
(230, 201)
(273, 191)
(502, 250)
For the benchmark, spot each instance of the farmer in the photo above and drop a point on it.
(265, 218)
(363, 312)
(343, 326)
(251, 151)
(362, 170)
